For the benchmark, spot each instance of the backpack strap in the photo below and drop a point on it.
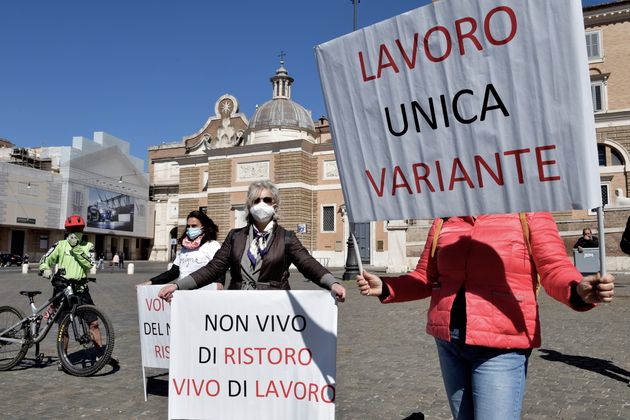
(436, 235)
(525, 227)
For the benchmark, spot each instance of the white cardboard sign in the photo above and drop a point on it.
(244, 355)
(154, 316)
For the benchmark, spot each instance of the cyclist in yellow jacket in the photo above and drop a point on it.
(74, 257)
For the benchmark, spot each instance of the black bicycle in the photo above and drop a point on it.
(85, 339)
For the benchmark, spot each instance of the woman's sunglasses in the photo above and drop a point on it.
(266, 200)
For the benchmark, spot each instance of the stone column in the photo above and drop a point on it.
(397, 246)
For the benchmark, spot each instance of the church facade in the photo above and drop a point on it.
(212, 169)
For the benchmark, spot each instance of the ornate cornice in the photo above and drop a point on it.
(612, 116)
(607, 13)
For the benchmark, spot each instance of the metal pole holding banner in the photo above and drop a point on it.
(144, 382)
(602, 241)
(357, 254)
(353, 265)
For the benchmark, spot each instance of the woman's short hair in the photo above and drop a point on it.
(254, 191)
(210, 229)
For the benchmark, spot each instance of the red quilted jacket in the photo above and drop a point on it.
(489, 256)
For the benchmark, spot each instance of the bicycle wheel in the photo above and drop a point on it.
(11, 353)
(84, 350)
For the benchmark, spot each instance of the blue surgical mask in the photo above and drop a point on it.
(193, 233)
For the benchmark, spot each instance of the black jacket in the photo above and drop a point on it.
(274, 272)
(587, 243)
(625, 238)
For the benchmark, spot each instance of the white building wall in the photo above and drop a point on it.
(163, 226)
(38, 202)
(56, 193)
(165, 173)
(276, 135)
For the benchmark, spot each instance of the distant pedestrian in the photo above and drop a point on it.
(115, 261)
(121, 260)
(587, 240)
(101, 262)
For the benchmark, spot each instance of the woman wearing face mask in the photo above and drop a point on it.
(198, 246)
(260, 254)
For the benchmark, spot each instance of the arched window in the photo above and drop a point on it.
(615, 158)
(609, 156)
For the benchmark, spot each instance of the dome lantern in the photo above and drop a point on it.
(280, 118)
(281, 83)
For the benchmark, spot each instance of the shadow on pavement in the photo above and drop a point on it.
(105, 372)
(601, 366)
(32, 363)
(415, 416)
(156, 385)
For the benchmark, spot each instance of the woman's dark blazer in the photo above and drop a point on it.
(274, 272)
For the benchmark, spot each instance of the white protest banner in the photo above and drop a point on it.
(245, 355)
(463, 108)
(154, 315)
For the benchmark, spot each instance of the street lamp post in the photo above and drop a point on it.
(351, 269)
(352, 265)
(354, 3)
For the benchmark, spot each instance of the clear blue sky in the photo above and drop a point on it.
(150, 71)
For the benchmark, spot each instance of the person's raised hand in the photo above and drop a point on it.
(167, 291)
(338, 291)
(596, 288)
(369, 284)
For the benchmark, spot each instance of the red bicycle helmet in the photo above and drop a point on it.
(74, 223)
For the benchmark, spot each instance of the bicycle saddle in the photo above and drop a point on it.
(30, 293)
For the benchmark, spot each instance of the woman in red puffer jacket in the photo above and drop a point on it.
(483, 314)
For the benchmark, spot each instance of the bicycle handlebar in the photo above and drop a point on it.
(59, 278)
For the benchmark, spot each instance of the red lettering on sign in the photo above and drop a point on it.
(438, 42)
(541, 163)
(460, 174)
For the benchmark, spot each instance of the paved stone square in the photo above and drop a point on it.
(386, 365)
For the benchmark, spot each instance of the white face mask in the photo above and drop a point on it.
(262, 212)
(193, 233)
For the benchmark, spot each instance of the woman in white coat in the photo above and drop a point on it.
(198, 246)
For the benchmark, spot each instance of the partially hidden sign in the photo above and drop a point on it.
(154, 315)
(463, 108)
(245, 355)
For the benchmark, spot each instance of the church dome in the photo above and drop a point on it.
(281, 113)
(280, 118)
